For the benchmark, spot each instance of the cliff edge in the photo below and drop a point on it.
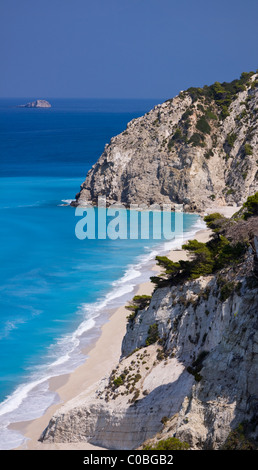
(197, 149)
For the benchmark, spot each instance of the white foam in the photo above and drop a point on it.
(66, 202)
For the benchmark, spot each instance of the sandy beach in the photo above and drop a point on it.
(102, 357)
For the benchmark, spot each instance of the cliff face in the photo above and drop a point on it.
(196, 149)
(189, 368)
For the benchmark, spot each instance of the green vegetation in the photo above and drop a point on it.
(237, 440)
(230, 191)
(186, 114)
(248, 149)
(153, 334)
(172, 443)
(251, 206)
(203, 259)
(206, 258)
(254, 84)
(197, 365)
(222, 93)
(214, 221)
(209, 154)
(231, 138)
(210, 115)
(197, 140)
(139, 302)
(203, 126)
(176, 138)
(226, 290)
(118, 381)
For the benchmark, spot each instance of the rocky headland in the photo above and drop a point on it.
(197, 149)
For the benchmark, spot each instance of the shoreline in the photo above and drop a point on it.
(102, 356)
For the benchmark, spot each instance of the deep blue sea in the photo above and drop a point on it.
(56, 290)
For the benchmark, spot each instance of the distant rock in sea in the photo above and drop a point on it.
(36, 104)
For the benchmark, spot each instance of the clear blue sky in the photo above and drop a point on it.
(123, 48)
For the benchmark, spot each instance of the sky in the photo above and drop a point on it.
(123, 48)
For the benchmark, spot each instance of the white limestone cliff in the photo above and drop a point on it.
(182, 151)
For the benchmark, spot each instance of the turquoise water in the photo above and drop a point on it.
(56, 290)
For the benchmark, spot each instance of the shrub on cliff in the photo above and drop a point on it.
(203, 126)
(205, 258)
(251, 206)
(214, 221)
(219, 252)
(139, 302)
(231, 138)
(203, 261)
(237, 440)
(172, 443)
(248, 150)
(197, 140)
(153, 334)
(226, 291)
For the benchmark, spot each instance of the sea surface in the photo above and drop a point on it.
(57, 290)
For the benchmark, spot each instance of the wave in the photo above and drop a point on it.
(16, 205)
(30, 400)
(66, 202)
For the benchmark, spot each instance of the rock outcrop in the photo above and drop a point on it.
(197, 149)
(36, 104)
(188, 369)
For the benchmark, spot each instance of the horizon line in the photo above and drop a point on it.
(83, 97)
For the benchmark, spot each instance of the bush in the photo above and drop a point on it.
(231, 138)
(203, 126)
(228, 254)
(210, 115)
(209, 154)
(169, 266)
(214, 221)
(118, 381)
(172, 443)
(230, 191)
(197, 140)
(177, 137)
(139, 302)
(237, 440)
(226, 291)
(203, 259)
(251, 206)
(248, 149)
(186, 114)
(197, 365)
(153, 334)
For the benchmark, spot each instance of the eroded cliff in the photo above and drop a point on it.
(197, 149)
